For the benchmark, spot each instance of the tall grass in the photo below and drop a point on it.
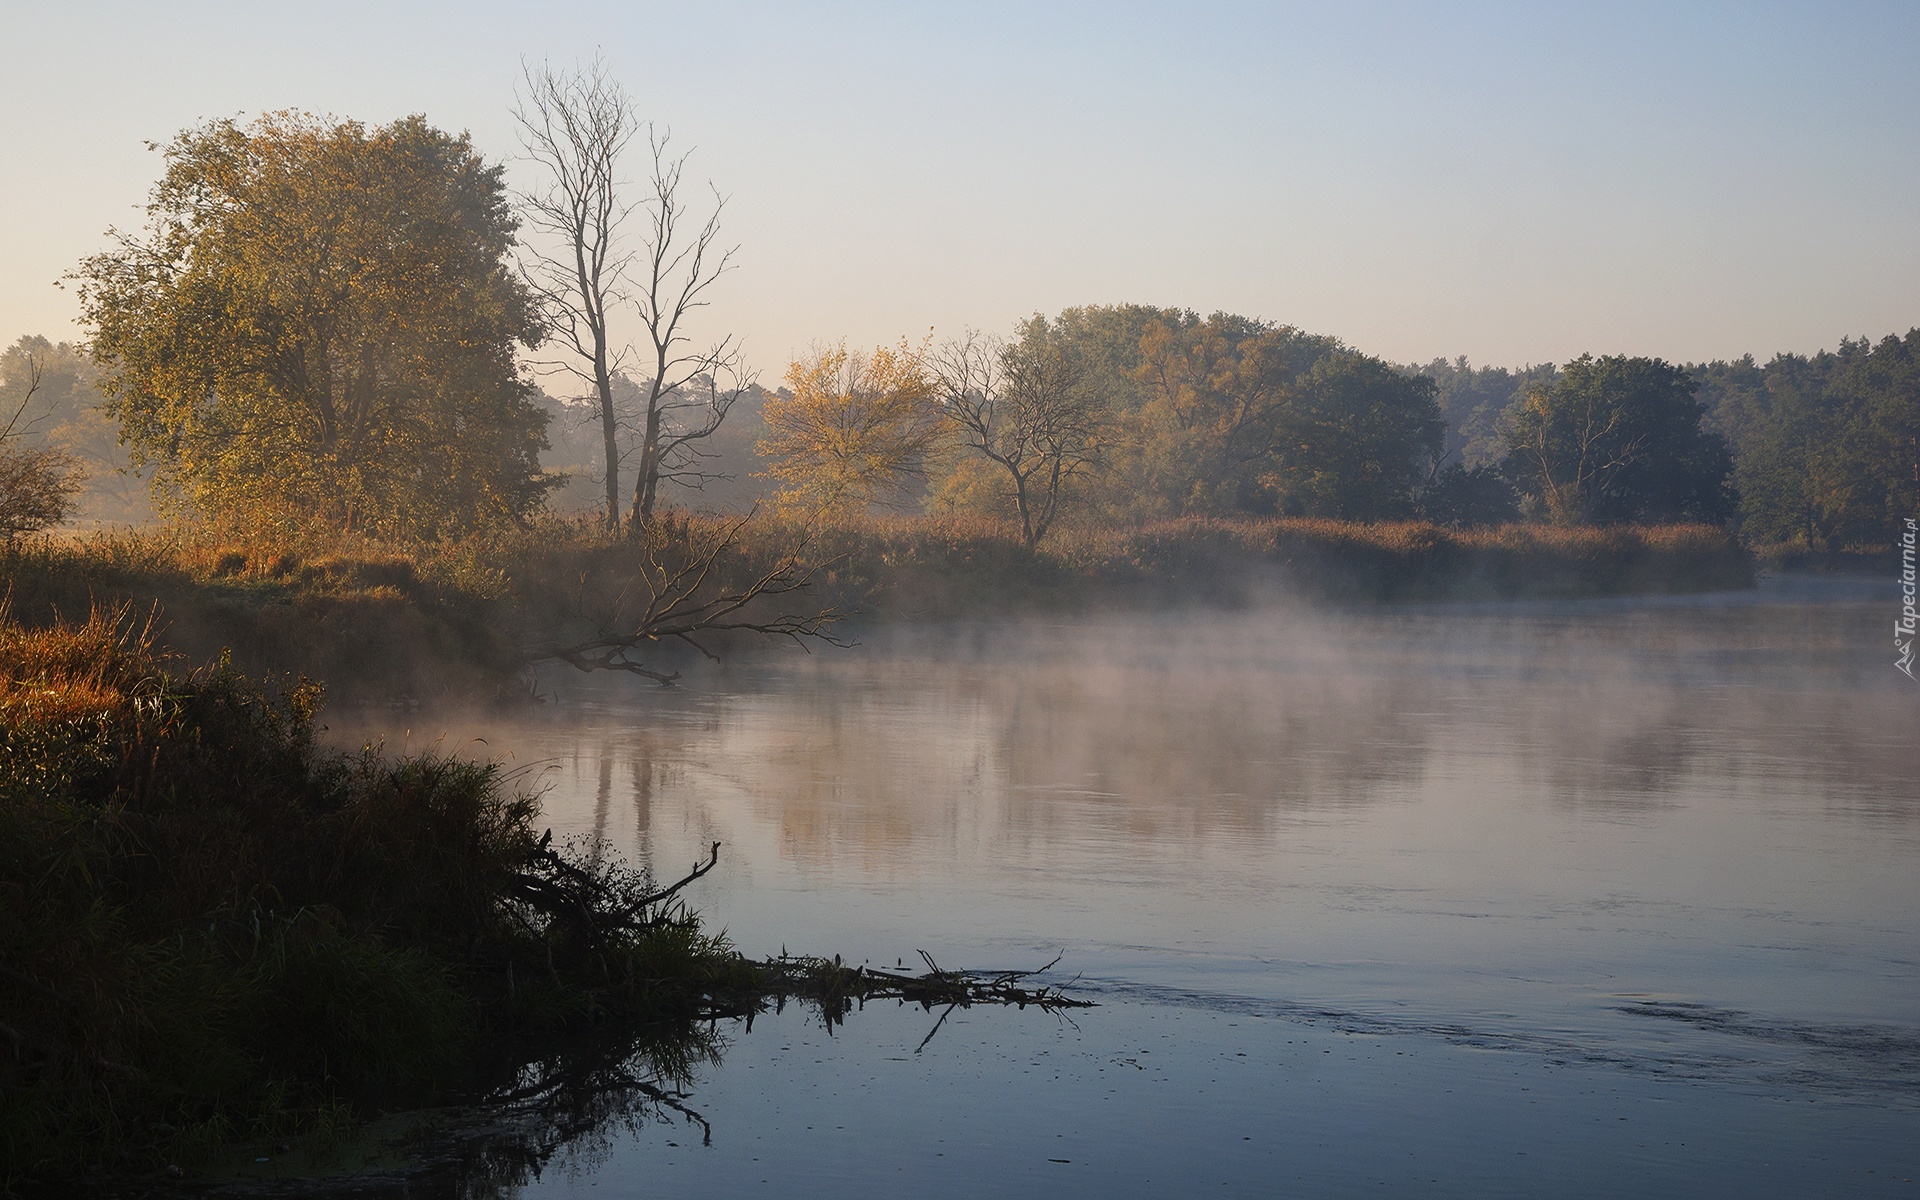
(423, 622)
(974, 566)
(376, 621)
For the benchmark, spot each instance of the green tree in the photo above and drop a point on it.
(1357, 442)
(1618, 439)
(1467, 496)
(319, 324)
(1784, 429)
(1874, 463)
(1473, 402)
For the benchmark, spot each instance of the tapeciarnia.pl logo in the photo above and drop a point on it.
(1903, 629)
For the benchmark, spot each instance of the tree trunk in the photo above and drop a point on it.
(646, 479)
(610, 443)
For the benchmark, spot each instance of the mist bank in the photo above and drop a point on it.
(379, 623)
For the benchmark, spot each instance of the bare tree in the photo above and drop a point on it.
(575, 127)
(1026, 406)
(690, 390)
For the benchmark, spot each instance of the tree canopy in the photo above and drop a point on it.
(851, 429)
(1827, 447)
(1618, 439)
(1228, 415)
(319, 324)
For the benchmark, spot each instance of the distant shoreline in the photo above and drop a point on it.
(391, 624)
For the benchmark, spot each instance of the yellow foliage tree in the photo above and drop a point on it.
(319, 324)
(851, 430)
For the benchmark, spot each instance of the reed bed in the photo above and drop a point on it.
(386, 623)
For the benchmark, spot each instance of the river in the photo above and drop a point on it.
(1573, 899)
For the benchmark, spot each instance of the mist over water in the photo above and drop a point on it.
(1579, 897)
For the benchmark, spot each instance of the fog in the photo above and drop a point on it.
(1657, 849)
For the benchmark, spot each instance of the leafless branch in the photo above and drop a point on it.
(688, 598)
(1024, 406)
(681, 266)
(12, 428)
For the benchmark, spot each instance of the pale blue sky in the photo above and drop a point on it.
(1511, 182)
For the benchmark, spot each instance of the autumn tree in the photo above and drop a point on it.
(319, 324)
(852, 429)
(1618, 439)
(1030, 408)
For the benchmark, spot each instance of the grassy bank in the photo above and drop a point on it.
(462, 619)
(377, 622)
(212, 930)
(943, 568)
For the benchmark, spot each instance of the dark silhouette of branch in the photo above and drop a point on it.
(689, 599)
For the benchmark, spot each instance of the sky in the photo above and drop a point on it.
(1513, 183)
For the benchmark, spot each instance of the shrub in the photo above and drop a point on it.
(37, 487)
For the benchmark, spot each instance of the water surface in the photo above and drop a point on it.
(1573, 899)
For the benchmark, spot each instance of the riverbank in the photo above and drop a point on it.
(411, 625)
(215, 932)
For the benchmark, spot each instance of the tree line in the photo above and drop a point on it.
(1129, 413)
(1823, 450)
(329, 323)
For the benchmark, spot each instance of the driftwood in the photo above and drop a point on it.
(596, 904)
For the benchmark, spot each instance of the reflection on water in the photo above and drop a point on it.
(1662, 845)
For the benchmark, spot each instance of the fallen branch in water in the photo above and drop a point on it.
(601, 915)
(838, 989)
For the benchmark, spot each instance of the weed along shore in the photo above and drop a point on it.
(217, 933)
(382, 622)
